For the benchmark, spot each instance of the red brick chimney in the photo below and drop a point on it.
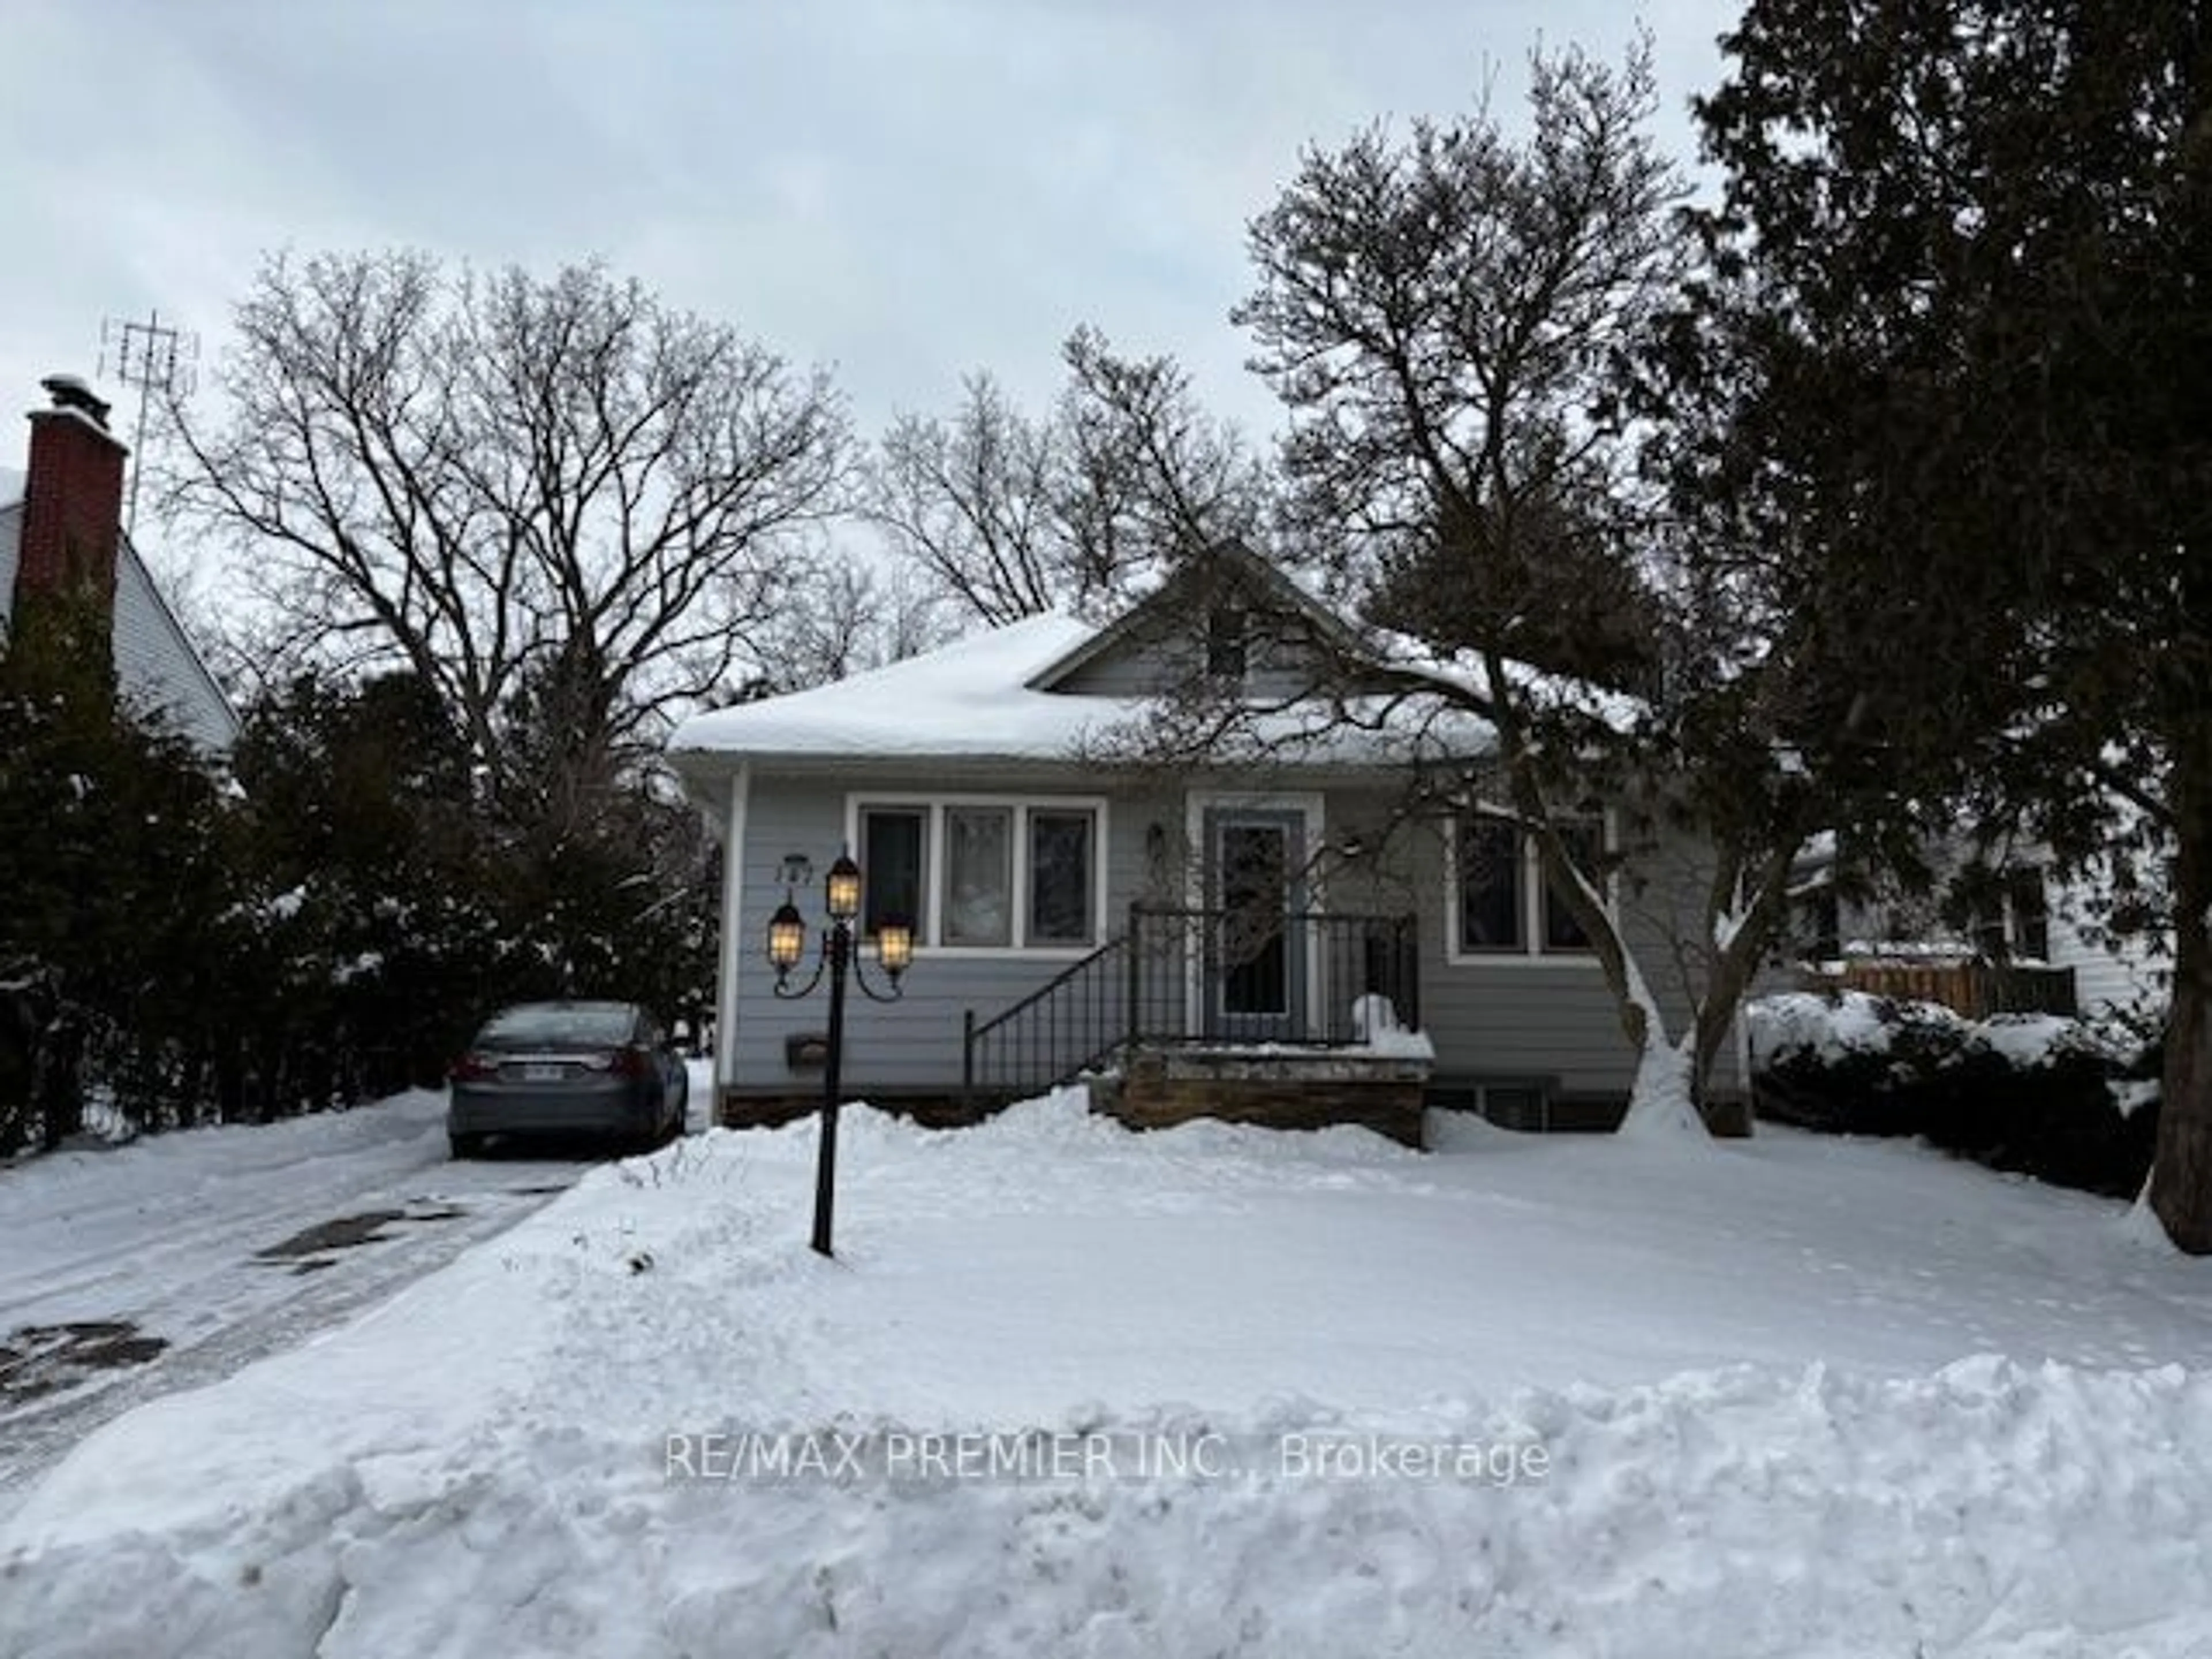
(73, 498)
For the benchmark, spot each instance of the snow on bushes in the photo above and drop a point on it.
(2040, 1094)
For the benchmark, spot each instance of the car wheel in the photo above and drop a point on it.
(466, 1145)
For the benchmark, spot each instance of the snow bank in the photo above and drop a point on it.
(1988, 1510)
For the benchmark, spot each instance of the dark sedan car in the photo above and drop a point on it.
(563, 1068)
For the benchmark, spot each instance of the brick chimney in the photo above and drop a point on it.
(72, 500)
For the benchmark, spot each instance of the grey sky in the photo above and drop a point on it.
(903, 190)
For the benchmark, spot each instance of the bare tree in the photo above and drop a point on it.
(971, 499)
(1445, 315)
(502, 481)
(859, 616)
(1152, 477)
(1010, 515)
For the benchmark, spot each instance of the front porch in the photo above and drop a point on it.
(1297, 1020)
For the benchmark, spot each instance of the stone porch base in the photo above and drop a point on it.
(1315, 1089)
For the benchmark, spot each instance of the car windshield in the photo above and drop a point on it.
(559, 1026)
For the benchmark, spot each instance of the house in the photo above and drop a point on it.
(61, 530)
(1285, 937)
(1998, 931)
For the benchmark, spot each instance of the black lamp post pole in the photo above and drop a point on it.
(787, 943)
(838, 946)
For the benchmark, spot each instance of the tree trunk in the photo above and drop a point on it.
(58, 1081)
(1661, 1101)
(2181, 1178)
(1735, 965)
(1729, 1118)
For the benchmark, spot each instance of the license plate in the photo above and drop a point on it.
(543, 1073)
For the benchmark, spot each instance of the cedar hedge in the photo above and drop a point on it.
(2042, 1096)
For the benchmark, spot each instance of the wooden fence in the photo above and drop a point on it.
(1975, 990)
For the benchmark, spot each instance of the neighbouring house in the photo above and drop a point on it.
(2021, 939)
(61, 530)
(1286, 939)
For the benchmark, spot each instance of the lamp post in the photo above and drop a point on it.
(840, 960)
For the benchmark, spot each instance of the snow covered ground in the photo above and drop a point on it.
(129, 1272)
(1071, 1391)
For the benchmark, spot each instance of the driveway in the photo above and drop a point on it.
(135, 1270)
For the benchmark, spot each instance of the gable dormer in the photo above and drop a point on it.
(1225, 622)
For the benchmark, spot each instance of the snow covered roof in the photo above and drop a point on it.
(1462, 675)
(969, 699)
(1009, 693)
(11, 487)
(982, 698)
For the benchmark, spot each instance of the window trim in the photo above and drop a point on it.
(1532, 952)
(928, 942)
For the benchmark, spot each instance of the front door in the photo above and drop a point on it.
(1254, 963)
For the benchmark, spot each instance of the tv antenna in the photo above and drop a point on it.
(153, 357)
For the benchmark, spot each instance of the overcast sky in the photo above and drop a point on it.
(902, 189)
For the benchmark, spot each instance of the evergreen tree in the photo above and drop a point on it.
(113, 857)
(1959, 326)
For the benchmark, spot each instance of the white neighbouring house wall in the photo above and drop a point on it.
(2127, 975)
(2134, 976)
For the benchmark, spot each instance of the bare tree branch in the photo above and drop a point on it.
(503, 481)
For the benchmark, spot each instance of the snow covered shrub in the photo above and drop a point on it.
(2035, 1093)
(1848, 1063)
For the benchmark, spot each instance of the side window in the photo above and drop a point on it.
(1585, 842)
(2031, 915)
(1490, 894)
(979, 875)
(1228, 633)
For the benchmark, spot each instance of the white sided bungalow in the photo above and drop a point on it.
(1284, 943)
(61, 528)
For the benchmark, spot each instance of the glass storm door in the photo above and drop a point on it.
(1255, 969)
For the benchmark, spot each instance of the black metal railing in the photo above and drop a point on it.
(1255, 976)
(1193, 976)
(1072, 1023)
